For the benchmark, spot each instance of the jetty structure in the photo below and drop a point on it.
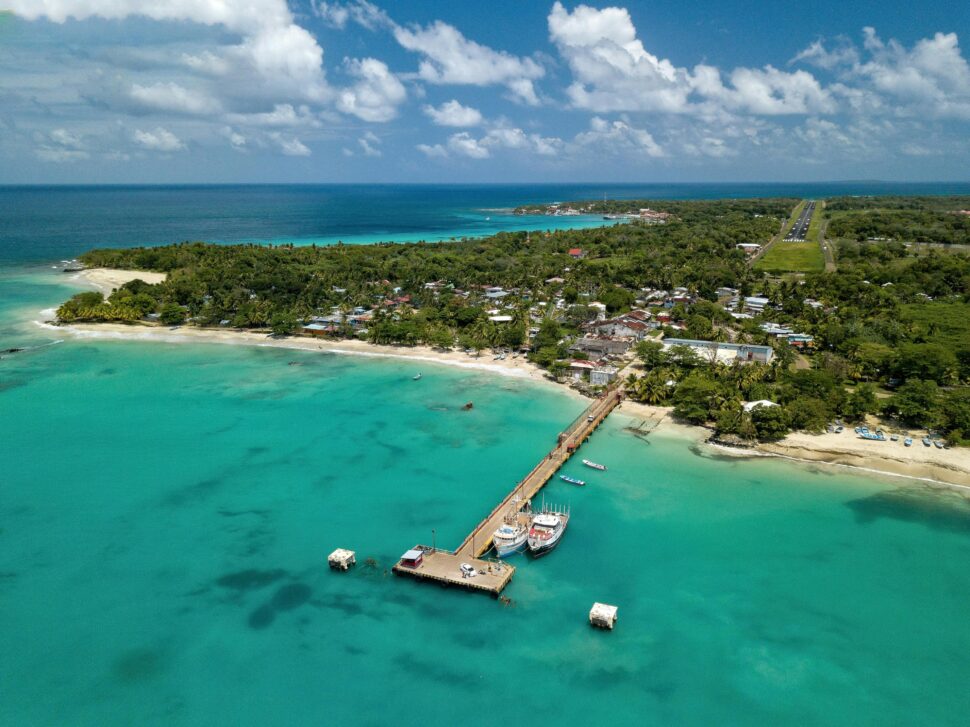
(492, 575)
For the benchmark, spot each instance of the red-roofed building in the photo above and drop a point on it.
(576, 252)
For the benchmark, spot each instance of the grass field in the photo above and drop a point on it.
(796, 257)
(792, 257)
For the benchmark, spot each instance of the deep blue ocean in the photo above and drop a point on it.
(166, 510)
(51, 223)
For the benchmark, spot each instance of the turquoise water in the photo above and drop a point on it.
(166, 511)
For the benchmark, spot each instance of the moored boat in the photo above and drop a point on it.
(510, 539)
(594, 465)
(572, 480)
(546, 531)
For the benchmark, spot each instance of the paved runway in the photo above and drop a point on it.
(800, 228)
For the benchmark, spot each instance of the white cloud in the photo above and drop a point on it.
(207, 63)
(452, 113)
(282, 115)
(237, 140)
(818, 55)
(614, 72)
(618, 137)
(290, 145)
(61, 146)
(932, 78)
(370, 144)
(159, 139)
(464, 144)
(451, 58)
(273, 45)
(432, 150)
(363, 13)
(175, 98)
(377, 93)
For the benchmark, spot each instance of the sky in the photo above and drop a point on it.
(224, 91)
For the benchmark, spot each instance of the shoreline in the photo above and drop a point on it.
(950, 467)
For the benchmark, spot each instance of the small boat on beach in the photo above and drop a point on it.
(572, 480)
(908, 442)
(594, 465)
(926, 441)
(547, 530)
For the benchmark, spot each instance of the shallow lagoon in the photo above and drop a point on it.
(167, 510)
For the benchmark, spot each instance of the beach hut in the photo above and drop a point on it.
(413, 558)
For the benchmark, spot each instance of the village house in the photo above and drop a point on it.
(596, 348)
(576, 253)
(653, 216)
(755, 304)
(749, 248)
(724, 352)
(603, 375)
(580, 370)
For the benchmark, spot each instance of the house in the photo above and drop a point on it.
(597, 348)
(576, 253)
(801, 340)
(495, 292)
(500, 319)
(653, 216)
(724, 352)
(754, 304)
(621, 328)
(412, 558)
(602, 376)
(580, 369)
(749, 248)
(600, 309)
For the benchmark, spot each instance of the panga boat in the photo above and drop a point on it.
(908, 441)
(416, 377)
(546, 531)
(600, 467)
(572, 480)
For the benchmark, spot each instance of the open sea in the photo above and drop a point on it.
(166, 511)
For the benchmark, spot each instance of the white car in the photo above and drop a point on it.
(467, 571)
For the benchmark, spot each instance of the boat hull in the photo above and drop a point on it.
(510, 549)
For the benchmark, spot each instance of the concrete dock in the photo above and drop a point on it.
(445, 567)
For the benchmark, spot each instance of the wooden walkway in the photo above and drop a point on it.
(443, 566)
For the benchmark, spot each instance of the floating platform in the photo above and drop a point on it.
(445, 568)
(603, 616)
(342, 559)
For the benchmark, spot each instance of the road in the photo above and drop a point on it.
(800, 228)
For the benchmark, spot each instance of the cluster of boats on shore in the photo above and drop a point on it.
(537, 533)
(880, 436)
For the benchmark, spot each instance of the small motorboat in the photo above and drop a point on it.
(594, 465)
(572, 480)
(416, 377)
(926, 442)
(938, 444)
(908, 441)
(894, 437)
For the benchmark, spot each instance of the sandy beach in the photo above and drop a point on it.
(106, 279)
(945, 466)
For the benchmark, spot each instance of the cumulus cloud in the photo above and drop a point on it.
(290, 145)
(931, 78)
(618, 136)
(365, 14)
(175, 98)
(272, 43)
(159, 139)
(613, 71)
(377, 93)
(370, 144)
(451, 58)
(501, 137)
(452, 113)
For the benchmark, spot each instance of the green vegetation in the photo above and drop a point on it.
(904, 219)
(811, 235)
(792, 257)
(886, 318)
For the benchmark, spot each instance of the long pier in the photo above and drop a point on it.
(444, 566)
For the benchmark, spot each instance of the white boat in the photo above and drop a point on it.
(546, 531)
(510, 539)
(416, 377)
(600, 467)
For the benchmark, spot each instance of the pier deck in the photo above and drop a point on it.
(444, 566)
